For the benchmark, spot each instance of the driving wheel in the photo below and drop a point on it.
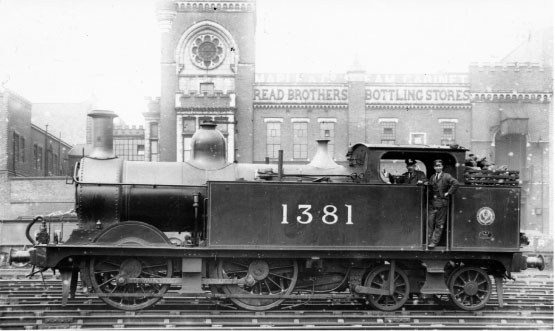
(264, 278)
(110, 276)
(379, 278)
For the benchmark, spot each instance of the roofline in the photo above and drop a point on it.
(394, 147)
(41, 130)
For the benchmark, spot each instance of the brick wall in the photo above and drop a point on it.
(19, 125)
(18, 158)
(339, 141)
(54, 160)
(420, 120)
(3, 136)
(12, 232)
(523, 93)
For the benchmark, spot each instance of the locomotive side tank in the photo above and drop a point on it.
(264, 233)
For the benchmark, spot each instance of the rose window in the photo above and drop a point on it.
(207, 51)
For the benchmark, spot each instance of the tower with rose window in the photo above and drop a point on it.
(207, 74)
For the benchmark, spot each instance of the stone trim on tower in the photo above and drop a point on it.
(228, 6)
(166, 15)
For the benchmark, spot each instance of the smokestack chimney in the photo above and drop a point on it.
(103, 134)
(322, 159)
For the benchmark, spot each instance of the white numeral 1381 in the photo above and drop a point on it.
(329, 217)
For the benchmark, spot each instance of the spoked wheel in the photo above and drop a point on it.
(470, 288)
(108, 276)
(266, 278)
(379, 278)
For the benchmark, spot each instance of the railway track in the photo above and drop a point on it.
(36, 304)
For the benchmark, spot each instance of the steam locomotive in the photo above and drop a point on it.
(260, 234)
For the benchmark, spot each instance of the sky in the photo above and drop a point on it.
(70, 50)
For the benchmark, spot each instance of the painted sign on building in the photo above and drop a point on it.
(447, 79)
(296, 94)
(341, 78)
(417, 94)
(296, 78)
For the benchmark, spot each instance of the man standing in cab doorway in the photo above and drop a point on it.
(412, 176)
(442, 186)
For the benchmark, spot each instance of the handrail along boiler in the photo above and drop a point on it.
(259, 234)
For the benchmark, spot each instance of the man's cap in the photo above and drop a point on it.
(438, 161)
(410, 161)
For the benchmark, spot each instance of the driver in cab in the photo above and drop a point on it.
(412, 176)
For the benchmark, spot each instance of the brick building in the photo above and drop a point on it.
(26, 149)
(501, 112)
(33, 164)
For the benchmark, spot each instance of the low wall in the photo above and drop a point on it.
(30, 196)
(12, 232)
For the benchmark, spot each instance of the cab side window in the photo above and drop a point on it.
(392, 169)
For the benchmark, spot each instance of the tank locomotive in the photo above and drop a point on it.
(259, 234)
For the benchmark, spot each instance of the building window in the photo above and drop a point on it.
(189, 128)
(207, 88)
(49, 161)
(39, 159)
(55, 169)
(327, 131)
(153, 130)
(187, 147)
(273, 139)
(36, 156)
(141, 150)
(153, 142)
(300, 140)
(448, 133)
(15, 152)
(65, 169)
(222, 125)
(128, 148)
(417, 138)
(189, 125)
(388, 131)
(22, 149)
(154, 150)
